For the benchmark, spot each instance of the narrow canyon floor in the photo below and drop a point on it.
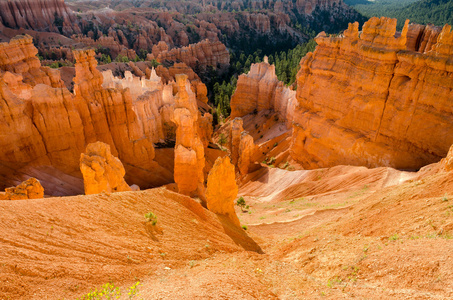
(338, 233)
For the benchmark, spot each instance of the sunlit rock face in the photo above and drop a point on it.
(29, 189)
(189, 150)
(260, 89)
(222, 189)
(363, 99)
(102, 172)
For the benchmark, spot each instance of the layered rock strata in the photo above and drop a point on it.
(222, 189)
(421, 38)
(363, 99)
(102, 172)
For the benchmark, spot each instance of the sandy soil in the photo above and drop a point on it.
(339, 233)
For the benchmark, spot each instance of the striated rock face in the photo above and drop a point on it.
(189, 151)
(363, 99)
(29, 189)
(102, 172)
(49, 15)
(259, 90)
(421, 38)
(222, 189)
(200, 55)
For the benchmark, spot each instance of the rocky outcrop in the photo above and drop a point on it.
(49, 15)
(421, 38)
(102, 172)
(247, 153)
(363, 99)
(29, 189)
(242, 147)
(196, 56)
(308, 6)
(447, 162)
(19, 56)
(222, 189)
(260, 89)
(189, 150)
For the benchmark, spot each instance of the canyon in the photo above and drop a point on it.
(122, 176)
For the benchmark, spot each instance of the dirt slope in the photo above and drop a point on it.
(339, 233)
(61, 247)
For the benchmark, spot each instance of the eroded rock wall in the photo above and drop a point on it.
(48, 15)
(363, 99)
(43, 124)
(199, 55)
(260, 89)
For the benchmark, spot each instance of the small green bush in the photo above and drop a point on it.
(151, 217)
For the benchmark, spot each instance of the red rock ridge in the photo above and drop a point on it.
(202, 54)
(365, 100)
(37, 15)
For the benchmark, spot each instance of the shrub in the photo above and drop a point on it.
(241, 203)
(151, 217)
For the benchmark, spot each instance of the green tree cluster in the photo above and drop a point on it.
(437, 12)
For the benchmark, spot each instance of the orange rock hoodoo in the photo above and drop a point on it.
(102, 172)
(29, 189)
(128, 114)
(242, 146)
(365, 100)
(189, 150)
(222, 189)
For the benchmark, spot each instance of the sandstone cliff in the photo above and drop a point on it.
(260, 89)
(365, 100)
